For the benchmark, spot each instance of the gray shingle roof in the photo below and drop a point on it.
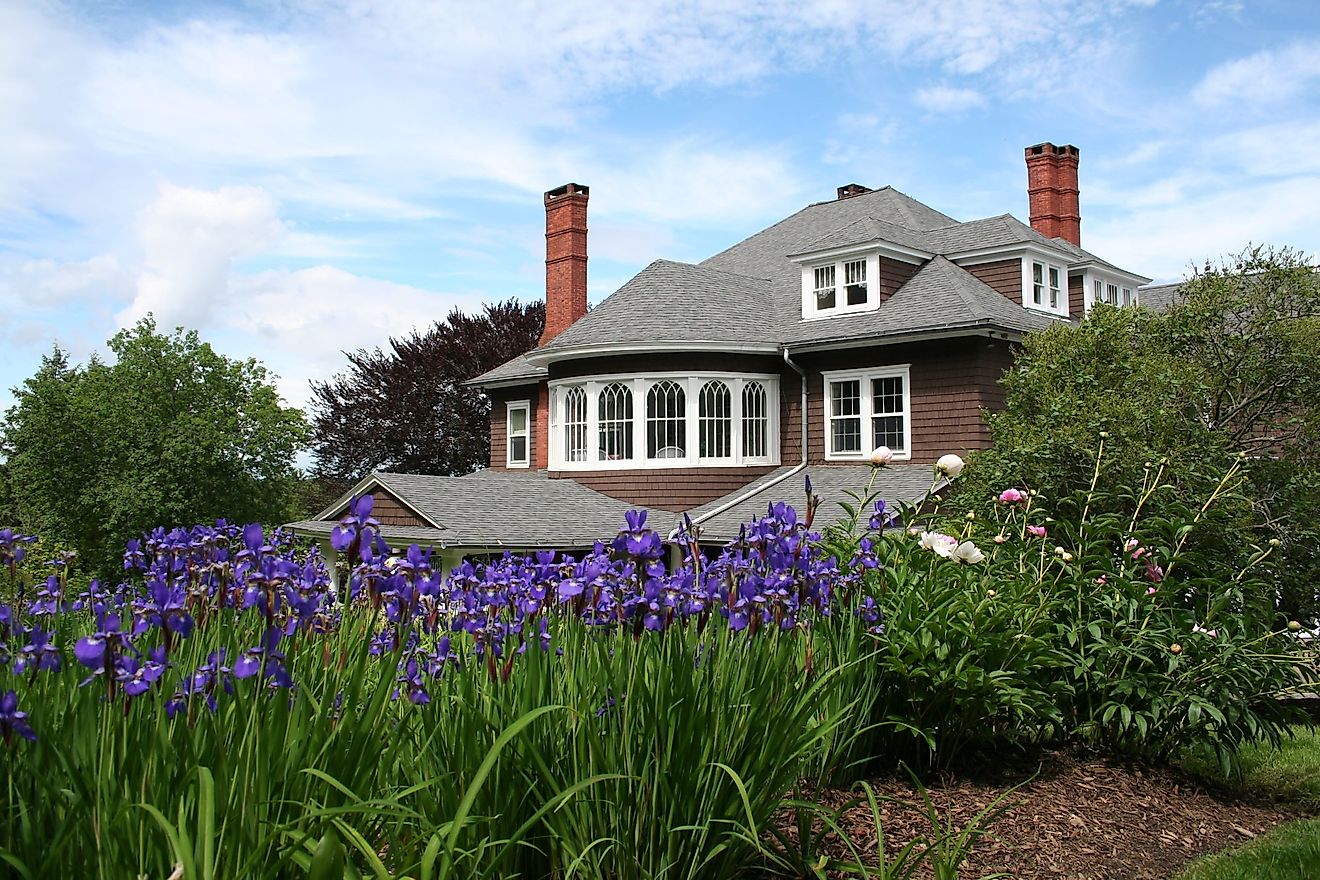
(675, 302)
(909, 482)
(1159, 297)
(751, 292)
(510, 371)
(941, 296)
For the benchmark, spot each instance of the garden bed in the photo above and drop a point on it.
(1079, 818)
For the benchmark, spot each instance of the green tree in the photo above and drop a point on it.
(1232, 367)
(169, 433)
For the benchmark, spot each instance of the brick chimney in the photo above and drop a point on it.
(565, 258)
(848, 190)
(1052, 191)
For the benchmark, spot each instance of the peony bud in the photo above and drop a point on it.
(881, 456)
(1175, 648)
(950, 465)
(1294, 626)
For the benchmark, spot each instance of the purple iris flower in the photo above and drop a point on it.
(38, 654)
(882, 517)
(13, 721)
(266, 659)
(98, 651)
(137, 676)
(166, 606)
(412, 678)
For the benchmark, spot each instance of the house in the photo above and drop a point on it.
(708, 389)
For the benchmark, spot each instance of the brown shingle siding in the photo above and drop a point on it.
(674, 490)
(1004, 276)
(893, 275)
(1076, 298)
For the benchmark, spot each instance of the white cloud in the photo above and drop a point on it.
(51, 283)
(190, 239)
(948, 99)
(1268, 77)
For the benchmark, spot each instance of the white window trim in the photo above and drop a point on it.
(865, 376)
(1123, 289)
(841, 307)
(1029, 283)
(639, 383)
(509, 409)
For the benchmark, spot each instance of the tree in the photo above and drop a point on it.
(170, 433)
(407, 409)
(1233, 367)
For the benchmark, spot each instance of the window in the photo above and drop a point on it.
(575, 425)
(1127, 296)
(840, 287)
(1044, 286)
(825, 298)
(616, 422)
(1111, 294)
(1099, 295)
(755, 422)
(715, 420)
(645, 421)
(518, 434)
(666, 421)
(854, 282)
(846, 416)
(866, 409)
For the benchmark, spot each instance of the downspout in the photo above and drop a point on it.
(797, 469)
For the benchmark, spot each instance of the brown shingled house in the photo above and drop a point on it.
(878, 318)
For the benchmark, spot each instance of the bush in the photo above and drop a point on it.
(1131, 630)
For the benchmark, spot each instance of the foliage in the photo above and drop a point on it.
(230, 711)
(1289, 852)
(407, 408)
(1231, 367)
(170, 431)
(1127, 631)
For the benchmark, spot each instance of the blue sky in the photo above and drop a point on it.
(296, 179)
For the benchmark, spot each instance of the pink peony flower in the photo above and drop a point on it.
(1010, 496)
(1036, 531)
(1150, 591)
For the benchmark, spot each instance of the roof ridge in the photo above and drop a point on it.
(699, 267)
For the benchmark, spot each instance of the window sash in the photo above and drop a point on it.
(867, 406)
(824, 289)
(517, 434)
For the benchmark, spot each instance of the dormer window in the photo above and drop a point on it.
(1045, 286)
(854, 282)
(825, 296)
(1111, 292)
(839, 287)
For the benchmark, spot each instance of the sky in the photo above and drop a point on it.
(295, 180)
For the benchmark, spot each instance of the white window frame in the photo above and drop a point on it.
(525, 406)
(840, 265)
(1047, 265)
(640, 384)
(865, 376)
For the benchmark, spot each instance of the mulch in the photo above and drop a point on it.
(1079, 817)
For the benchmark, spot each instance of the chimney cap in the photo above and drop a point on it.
(1046, 149)
(848, 190)
(568, 189)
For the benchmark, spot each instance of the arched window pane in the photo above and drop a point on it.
(615, 420)
(755, 421)
(715, 420)
(666, 421)
(575, 425)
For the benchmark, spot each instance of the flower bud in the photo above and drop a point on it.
(881, 456)
(991, 593)
(1104, 435)
(1000, 538)
(1175, 648)
(1275, 542)
(971, 515)
(950, 465)
(1294, 626)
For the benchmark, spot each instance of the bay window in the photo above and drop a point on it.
(716, 420)
(865, 409)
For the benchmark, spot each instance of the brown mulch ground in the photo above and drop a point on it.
(1080, 818)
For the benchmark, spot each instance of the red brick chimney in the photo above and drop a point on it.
(1052, 191)
(565, 258)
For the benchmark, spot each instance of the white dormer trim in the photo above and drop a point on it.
(1045, 285)
(841, 272)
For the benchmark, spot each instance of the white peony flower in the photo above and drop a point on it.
(881, 456)
(950, 465)
(967, 553)
(942, 544)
